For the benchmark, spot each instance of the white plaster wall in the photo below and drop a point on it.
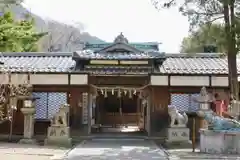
(15, 78)
(159, 80)
(79, 79)
(189, 80)
(47, 79)
(4, 79)
(219, 81)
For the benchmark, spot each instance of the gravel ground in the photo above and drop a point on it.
(11, 151)
(188, 154)
(23, 157)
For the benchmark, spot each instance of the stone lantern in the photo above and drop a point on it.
(28, 111)
(204, 101)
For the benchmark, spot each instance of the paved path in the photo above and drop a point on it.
(121, 149)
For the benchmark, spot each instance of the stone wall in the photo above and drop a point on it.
(216, 142)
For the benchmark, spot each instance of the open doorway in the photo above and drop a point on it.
(119, 114)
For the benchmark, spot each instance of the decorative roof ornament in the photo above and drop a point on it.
(121, 39)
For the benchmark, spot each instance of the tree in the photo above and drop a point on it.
(213, 35)
(18, 36)
(15, 36)
(61, 37)
(202, 12)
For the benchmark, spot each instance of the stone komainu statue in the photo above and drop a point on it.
(175, 115)
(60, 118)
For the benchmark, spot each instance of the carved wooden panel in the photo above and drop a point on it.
(118, 80)
(85, 108)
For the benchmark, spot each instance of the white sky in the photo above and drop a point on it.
(137, 19)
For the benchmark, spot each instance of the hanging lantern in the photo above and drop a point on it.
(105, 93)
(119, 93)
(130, 94)
(112, 91)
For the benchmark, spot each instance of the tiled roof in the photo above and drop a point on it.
(200, 64)
(145, 46)
(62, 62)
(88, 54)
(37, 62)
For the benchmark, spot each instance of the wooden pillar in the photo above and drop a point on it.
(69, 92)
(68, 99)
(148, 116)
(138, 111)
(89, 113)
(97, 113)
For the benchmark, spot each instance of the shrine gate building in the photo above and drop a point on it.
(114, 84)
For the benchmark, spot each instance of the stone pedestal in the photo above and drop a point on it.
(219, 142)
(28, 113)
(204, 107)
(58, 135)
(178, 137)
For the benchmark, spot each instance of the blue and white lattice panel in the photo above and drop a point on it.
(194, 106)
(41, 105)
(55, 100)
(181, 101)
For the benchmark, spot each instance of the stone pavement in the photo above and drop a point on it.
(178, 154)
(11, 151)
(117, 149)
(106, 149)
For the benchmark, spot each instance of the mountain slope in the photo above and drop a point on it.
(61, 37)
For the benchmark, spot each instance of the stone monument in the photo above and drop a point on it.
(59, 131)
(178, 134)
(28, 111)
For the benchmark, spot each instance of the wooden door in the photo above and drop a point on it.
(18, 119)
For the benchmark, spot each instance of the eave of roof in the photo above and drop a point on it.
(37, 62)
(62, 62)
(35, 54)
(144, 46)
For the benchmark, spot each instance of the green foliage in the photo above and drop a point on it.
(206, 12)
(199, 12)
(18, 36)
(205, 35)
